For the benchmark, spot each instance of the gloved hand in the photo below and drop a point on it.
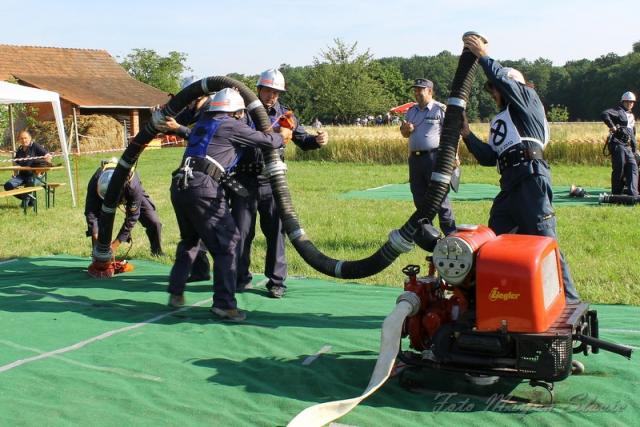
(286, 134)
(159, 121)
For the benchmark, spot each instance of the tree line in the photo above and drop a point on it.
(344, 83)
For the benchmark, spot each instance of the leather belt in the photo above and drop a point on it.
(518, 155)
(214, 170)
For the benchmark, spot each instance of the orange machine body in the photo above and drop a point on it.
(519, 284)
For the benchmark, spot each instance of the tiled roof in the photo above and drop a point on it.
(85, 77)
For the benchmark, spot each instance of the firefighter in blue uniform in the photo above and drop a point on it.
(270, 84)
(518, 136)
(201, 268)
(622, 145)
(138, 206)
(28, 148)
(200, 200)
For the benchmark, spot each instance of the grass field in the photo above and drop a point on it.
(600, 243)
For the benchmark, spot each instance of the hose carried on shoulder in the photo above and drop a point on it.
(399, 241)
(102, 251)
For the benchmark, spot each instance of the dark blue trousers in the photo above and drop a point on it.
(152, 226)
(260, 200)
(18, 180)
(624, 169)
(203, 215)
(527, 209)
(420, 169)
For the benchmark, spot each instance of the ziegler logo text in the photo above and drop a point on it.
(496, 295)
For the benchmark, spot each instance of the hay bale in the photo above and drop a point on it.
(96, 132)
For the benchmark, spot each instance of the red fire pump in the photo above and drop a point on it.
(495, 306)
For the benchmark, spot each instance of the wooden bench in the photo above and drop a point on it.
(24, 190)
(50, 188)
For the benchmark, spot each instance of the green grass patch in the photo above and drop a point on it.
(600, 242)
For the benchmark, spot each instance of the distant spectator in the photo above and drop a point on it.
(422, 126)
(316, 123)
(28, 148)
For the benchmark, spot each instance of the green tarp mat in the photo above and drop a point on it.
(471, 192)
(80, 351)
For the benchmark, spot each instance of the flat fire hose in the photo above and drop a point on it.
(323, 413)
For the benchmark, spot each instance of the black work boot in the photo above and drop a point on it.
(276, 291)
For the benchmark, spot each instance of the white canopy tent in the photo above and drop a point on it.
(15, 94)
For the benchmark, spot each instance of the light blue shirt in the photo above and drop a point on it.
(427, 125)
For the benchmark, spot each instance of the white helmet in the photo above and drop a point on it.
(514, 74)
(271, 78)
(103, 182)
(628, 96)
(227, 100)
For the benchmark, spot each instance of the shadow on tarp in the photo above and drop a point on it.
(430, 391)
(32, 286)
(345, 375)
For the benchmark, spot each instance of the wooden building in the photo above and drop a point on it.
(88, 80)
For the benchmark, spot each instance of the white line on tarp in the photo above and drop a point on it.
(112, 370)
(8, 261)
(310, 359)
(107, 334)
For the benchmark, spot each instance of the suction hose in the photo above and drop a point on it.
(401, 240)
(102, 250)
(407, 304)
(619, 199)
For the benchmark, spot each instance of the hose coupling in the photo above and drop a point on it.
(277, 167)
(413, 299)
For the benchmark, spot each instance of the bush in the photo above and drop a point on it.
(558, 113)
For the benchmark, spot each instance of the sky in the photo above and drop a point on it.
(249, 36)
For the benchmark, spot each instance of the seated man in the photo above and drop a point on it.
(27, 150)
(138, 206)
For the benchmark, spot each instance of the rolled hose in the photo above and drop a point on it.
(102, 250)
(401, 240)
